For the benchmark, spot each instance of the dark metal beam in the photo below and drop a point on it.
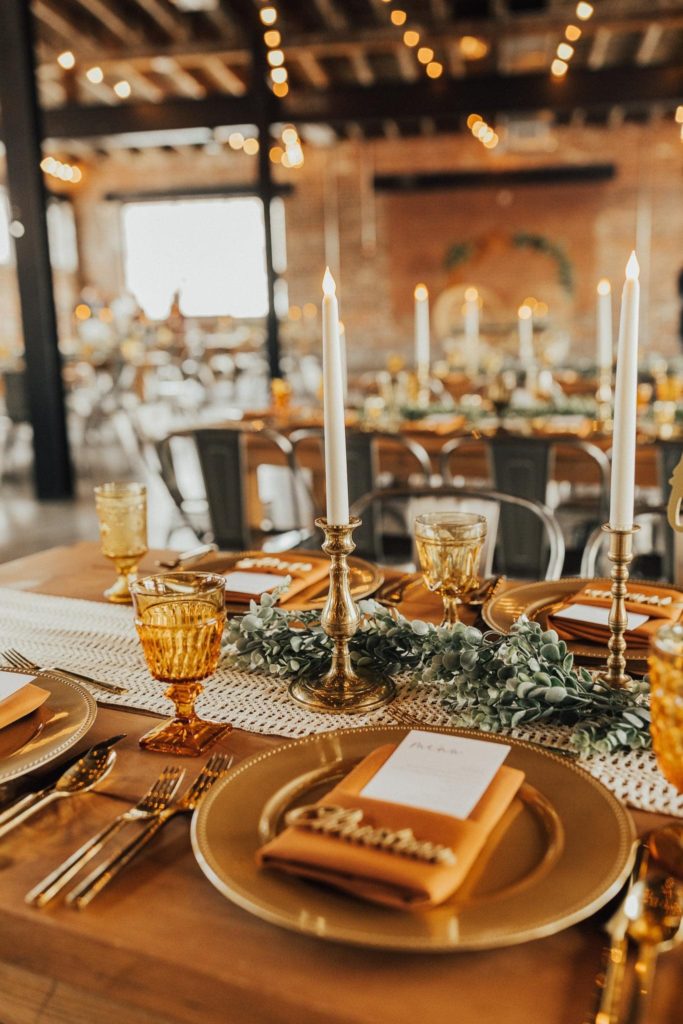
(488, 94)
(22, 129)
(558, 174)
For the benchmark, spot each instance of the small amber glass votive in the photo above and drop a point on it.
(666, 701)
(122, 515)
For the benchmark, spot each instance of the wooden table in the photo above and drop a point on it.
(161, 946)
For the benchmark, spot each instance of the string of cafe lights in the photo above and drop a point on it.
(482, 131)
(572, 33)
(272, 37)
(94, 74)
(61, 170)
(411, 39)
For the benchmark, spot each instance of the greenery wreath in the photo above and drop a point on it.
(462, 252)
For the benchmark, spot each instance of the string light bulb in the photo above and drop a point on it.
(572, 33)
(272, 37)
(122, 89)
(434, 69)
(251, 147)
(565, 51)
(398, 17)
(559, 67)
(278, 75)
(268, 15)
(66, 60)
(584, 10)
(95, 75)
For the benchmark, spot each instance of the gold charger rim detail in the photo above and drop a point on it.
(311, 910)
(51, 741)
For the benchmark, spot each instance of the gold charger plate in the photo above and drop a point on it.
(562, 851)
(47, 733)
(537, 601)
(364, 578)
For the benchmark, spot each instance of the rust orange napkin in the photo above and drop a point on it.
(387, 878)
(657, 604)
(259, 573)
(21, 703)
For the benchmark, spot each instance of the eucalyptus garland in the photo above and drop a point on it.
(486, 681)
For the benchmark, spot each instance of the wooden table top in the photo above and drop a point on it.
(161, 946)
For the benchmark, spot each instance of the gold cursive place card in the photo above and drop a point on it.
(657, 600)
(346, 823)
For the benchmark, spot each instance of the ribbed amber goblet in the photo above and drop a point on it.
(122, 514)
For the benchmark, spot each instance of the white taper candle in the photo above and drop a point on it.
(422, 354)
(604, 355)
(336, 483)
(625, 404)
(471, 331)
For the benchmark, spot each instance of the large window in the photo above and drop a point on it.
(210, 250)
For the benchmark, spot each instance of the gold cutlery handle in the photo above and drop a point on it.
(612, 986)
(21, 804)
(28, 810)
(47, 889)
(82, 678)
(98, 879)
(644, 976)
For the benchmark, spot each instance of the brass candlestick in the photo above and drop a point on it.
(423, 385)
(341, 690)
(603, 400)
(621, 556)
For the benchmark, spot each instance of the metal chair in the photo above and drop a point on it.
(654, 518)
(363, 450)
(524, 466)
(222, 457)
(549, 557)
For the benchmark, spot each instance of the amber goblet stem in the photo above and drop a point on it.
(450, 610)
(184, 696)
(621, 556)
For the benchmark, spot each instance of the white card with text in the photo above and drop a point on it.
(437, 772)
(597, 616)
(252, 582)
(10, 682)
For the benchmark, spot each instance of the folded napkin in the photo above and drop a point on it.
(584, 615)
(254, 575)
(18, 697)
(380, 876)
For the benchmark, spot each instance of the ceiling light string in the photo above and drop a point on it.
(411, 39)
(572, 33)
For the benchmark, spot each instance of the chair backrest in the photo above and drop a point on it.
(653, 518)
(669, 454)
(547, 566)
(223, 464)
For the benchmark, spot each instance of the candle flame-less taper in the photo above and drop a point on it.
(336, 482)
(625, 404)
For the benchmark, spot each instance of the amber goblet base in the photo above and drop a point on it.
(187, 735)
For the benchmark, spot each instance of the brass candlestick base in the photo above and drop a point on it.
(603, 401)
(423, 386)
(621, 556)
(341, 690)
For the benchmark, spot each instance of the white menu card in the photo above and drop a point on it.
(10, 682)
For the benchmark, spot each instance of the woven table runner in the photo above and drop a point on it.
(100, 640)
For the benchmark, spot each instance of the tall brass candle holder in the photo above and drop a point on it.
(341, 690)
(423, 385)
(603, 400)
(621, 556)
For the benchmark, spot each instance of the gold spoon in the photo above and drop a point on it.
(655, 922)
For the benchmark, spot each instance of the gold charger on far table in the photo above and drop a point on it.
(561, 852)
(364, 578)
(538, 600)
(47, 733)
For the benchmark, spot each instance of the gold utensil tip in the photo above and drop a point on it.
(655, 922)
(185, 557)
(79, 777)
(20, 661)
(214, 769)
(151, 804)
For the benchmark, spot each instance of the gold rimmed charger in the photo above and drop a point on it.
(561, 852)
(539, 600)
(41, 737)
(364, 580)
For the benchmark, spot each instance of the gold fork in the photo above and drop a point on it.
(155, 800)
(214, 769)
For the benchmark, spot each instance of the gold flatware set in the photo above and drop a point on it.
(20, 661)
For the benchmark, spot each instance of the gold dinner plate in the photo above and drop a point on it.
(562, 850)
(47, 733)
(364, 578)
(539, 600)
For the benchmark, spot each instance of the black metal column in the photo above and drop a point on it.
(22, 135)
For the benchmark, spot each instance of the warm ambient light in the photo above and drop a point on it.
(280, 89)
(272, 37)
(236, 140)
(82, 312)
(472, 120)
(584, 10)
(679, 115)
(251, 147)
(524, 312)
(434, 69)
(572, 33)
(398, 17)
(471, 294)
(473, 48)
(425, 54)
(278, 75)
(95, 75)
(632, 268)
(268, 15)
(559, 67)
(421, 292)
(66, 60)
(565, 51)
(410, 37)
(329, 287)
(604, 287)
(290, 135)
(122, 89)
(276, 154)
(276, 58)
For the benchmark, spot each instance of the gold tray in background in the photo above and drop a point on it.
(364, 578)
(539, 600)
(47, 733)
(562, 850)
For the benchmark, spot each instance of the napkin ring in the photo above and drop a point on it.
(345, 823)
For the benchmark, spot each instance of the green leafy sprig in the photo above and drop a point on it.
(486, 681)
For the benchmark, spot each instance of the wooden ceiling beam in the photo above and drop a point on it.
(182, 79)
(489, 94)
(62, 26)
(599, 48)
(330, 14)
(362, 68)
(170, 22)
(313, 69)
(223, 76)
(407, 64)
(649, 44)
(105, 13)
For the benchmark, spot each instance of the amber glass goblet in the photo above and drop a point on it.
(122, 514)
(666, 701)
(449, 547)
(179, 618)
